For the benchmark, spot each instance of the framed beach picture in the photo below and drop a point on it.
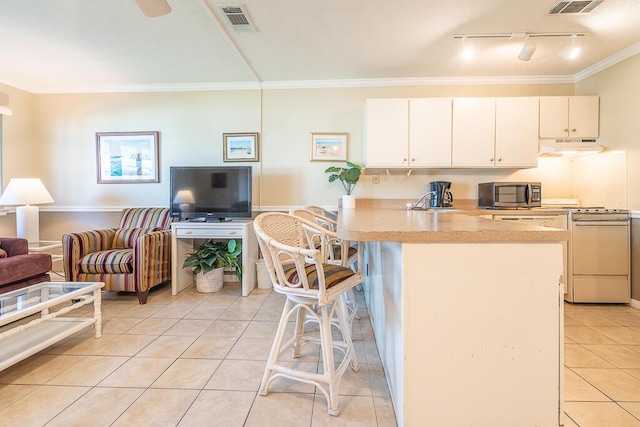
(240, 147)
(127, 157)
(329, 147)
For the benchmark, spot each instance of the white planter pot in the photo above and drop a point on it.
(211, 281)
(348, 202)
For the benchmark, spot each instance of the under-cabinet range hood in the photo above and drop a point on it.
(568, 147)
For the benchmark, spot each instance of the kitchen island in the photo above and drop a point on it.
(467, 315)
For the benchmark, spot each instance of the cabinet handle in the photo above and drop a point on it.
(500, 159)
(404, 160)
(573, 130)
(188, 232)
(491, 159)
(565, 130)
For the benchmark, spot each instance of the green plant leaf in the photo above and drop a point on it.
(211, 255)
(349, 176)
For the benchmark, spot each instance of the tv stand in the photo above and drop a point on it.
(183, 235)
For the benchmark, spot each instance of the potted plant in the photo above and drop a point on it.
(209, 260)
(349, 177)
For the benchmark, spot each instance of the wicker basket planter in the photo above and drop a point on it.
(211, 281)
(208, 261)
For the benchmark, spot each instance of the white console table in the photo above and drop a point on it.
(183, 234)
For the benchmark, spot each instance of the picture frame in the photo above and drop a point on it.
(127, 157)
(329, 146)
(240, 147)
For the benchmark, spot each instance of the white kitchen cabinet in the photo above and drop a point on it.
(569, 116)
(516, 142)
(387, 133)
(430, 132)
(408, 132)
(474, 130)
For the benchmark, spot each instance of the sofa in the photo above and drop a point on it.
(19, 268)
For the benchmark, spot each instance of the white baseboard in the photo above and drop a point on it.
(635, 304)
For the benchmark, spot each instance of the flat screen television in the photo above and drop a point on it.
(210, 193)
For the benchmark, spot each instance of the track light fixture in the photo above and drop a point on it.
(528, 48)
(574, 51)
(467, 49)
(527, 51)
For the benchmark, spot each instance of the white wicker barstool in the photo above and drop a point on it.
(313, 289)
(329, 220)
(339, 252)
(322, 211)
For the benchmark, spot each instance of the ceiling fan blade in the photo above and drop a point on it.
(154, 8)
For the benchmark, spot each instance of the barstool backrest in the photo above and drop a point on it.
(287, 254)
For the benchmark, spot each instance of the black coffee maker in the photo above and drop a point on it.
(441, 197)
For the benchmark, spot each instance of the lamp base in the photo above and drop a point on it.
(28, 223)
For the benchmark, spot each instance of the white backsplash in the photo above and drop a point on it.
(601, 179)
(555, 174)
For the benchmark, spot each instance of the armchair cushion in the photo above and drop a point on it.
(114, 261)
(126, 237)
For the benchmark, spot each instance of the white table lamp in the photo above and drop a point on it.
(27, 192)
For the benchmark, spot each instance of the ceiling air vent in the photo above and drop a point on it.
(574, 7)
(237, 17)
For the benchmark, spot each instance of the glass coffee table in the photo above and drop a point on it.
(29, 337)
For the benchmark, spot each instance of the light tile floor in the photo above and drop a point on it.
(602, 365)
(186, 360)
(197, 360)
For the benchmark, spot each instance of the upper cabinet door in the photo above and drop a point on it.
(516, 132)
(474, 131)
(554, 117)
(584, 114)
(387, 133)
(430, 132)
(569, 116)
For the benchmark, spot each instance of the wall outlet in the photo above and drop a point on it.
(375, 178)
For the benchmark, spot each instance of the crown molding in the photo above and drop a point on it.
(417, 81)
(309, 84)
(608, 62)
(179, 87)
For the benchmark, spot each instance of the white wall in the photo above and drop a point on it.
(619, 118)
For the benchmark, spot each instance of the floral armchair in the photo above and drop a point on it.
(133, 257)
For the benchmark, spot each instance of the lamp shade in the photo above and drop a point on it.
(25, 191)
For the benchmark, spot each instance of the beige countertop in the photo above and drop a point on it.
(390, 221)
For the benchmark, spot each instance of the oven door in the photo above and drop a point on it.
(600, 261)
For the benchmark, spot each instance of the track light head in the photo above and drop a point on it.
(467, 49)
(528, 49)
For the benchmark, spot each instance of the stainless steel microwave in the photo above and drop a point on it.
(509, 195)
